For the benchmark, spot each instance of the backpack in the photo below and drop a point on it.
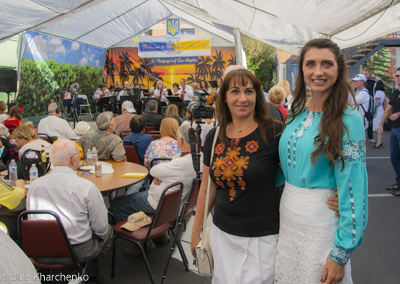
(28, 158)
(372, 111)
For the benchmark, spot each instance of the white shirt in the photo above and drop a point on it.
(163, 98)
(55, 126)
(362, 98)
(14, 263)
(178, 170)
(189, 93)
(35, 145)
(3, 117)
(77, 201)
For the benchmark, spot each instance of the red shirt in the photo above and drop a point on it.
(283, 111)
(12, 121)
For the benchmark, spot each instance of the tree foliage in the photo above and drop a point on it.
(39, 80)
(260, 60)
(379, 64)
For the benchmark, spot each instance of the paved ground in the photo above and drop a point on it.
(376, 261)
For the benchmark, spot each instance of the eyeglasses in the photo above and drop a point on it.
(397, 76)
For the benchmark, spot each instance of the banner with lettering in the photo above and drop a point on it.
(184, 46)
(125, 64)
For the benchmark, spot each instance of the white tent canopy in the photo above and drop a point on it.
(285, 24)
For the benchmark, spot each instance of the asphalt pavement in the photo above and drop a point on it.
(375, 261)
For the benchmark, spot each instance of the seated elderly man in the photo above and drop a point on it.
(77, 201)
(53, 125)
(122, 121)
(178, 170)
(108, 145)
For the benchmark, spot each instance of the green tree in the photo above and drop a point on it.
(39, 80)
(379, 64)
(260, 60)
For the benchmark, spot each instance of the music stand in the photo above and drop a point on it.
(173, 99)
(213, 84)
(126, 98)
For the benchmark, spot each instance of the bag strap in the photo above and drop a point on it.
(209, 180)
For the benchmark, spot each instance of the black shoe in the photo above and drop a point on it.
(393, 187)
(395, 192)
(379, 146)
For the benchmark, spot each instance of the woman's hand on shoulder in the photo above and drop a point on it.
(333, 272)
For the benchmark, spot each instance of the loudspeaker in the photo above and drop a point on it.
(8, 81)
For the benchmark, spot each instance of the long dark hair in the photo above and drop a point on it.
(331, 128)
(261, 112)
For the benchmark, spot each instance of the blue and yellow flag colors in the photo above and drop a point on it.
(173, 27)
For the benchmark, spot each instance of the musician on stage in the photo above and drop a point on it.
(68, 96)
(129, 91)
(100, 93)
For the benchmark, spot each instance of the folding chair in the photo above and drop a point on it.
(47, 138)
(148, 128)
(131, 152)
(186, 212)
(155, 134)
(163, 220)
(85, 104)
(11, 127)
(125, 133)
(46, 239)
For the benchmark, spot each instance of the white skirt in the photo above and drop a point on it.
(307, 229)
(242, 260)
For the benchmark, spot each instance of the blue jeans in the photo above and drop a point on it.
(122, 207)
(395, 152)
(369, 130)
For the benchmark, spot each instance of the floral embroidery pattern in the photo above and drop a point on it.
(220, 149)
(353, 213)
(340, 255)
(252, 146)
(354, 150)
(230, 169)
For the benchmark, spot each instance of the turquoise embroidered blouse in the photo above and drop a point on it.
(295, 148)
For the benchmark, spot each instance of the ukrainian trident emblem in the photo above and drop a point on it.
(173, 27)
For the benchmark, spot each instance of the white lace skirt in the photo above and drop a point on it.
(307, 229)
(241, 260)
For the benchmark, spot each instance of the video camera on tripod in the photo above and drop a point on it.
(199, 111)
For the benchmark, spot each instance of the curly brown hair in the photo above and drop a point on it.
(137, 123)
(332, 127)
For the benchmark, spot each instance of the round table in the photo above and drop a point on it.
(113, 181)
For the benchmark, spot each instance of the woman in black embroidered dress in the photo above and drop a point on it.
(243, 170)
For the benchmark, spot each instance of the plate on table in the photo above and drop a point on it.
(86, 168)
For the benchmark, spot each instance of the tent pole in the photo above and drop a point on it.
(238, 47)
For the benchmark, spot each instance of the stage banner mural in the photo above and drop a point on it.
(159, 46)
(51, 63)
(125, 64)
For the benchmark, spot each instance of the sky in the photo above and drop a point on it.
(43, 47)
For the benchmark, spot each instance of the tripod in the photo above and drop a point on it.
(59, 101)
(74, 114)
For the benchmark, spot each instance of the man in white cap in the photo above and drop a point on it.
(122, 121)
(362, 96)
(81, 128)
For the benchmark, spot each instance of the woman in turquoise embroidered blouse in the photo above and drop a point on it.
(321, 149)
